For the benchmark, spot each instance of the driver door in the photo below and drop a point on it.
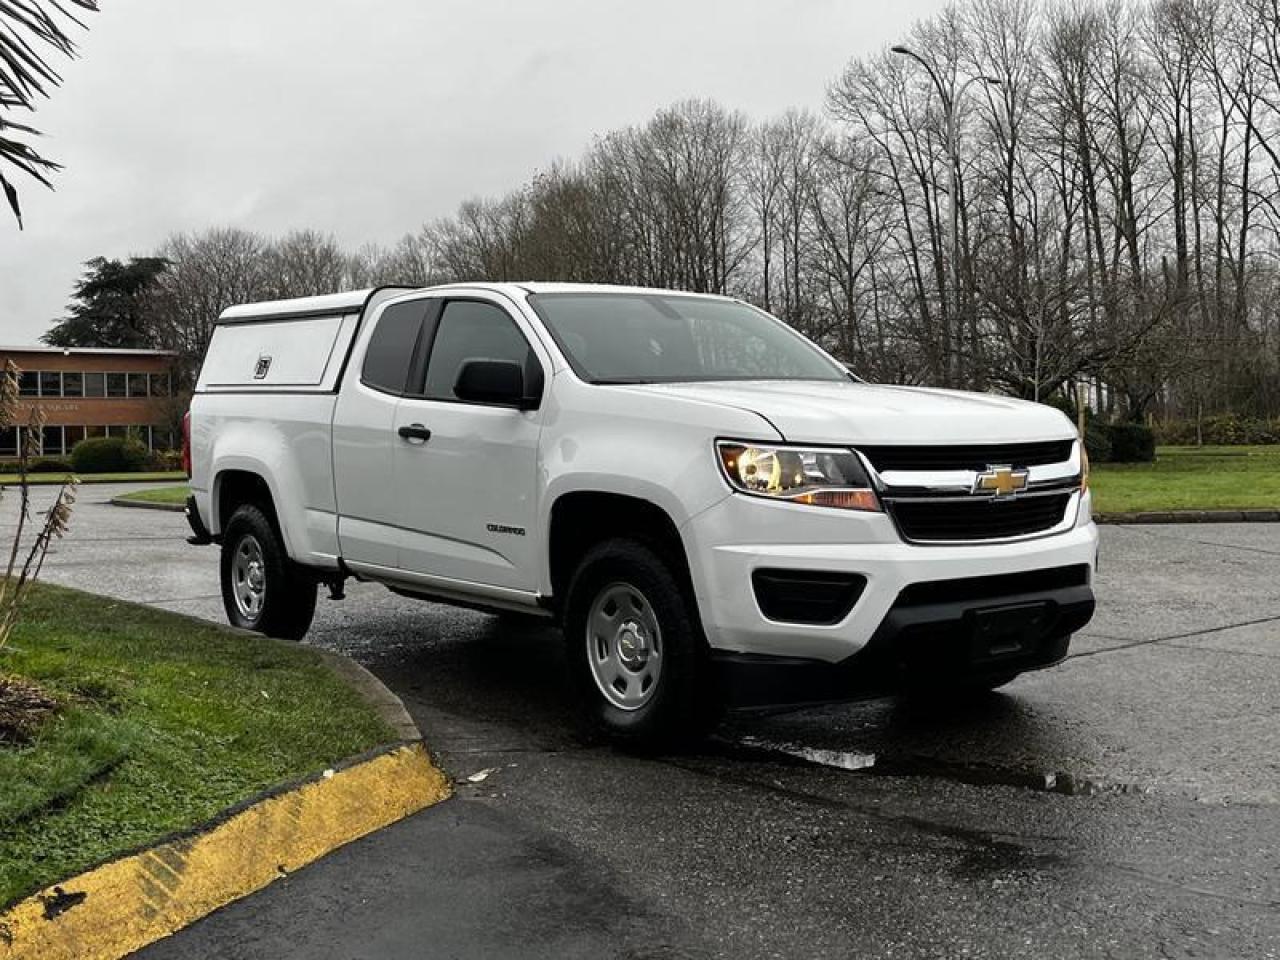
(466, 472)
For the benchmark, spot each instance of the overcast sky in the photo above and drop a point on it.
(364, 119)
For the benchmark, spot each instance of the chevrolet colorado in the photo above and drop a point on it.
(713, 509)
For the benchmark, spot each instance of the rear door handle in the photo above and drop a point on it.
(414, 431)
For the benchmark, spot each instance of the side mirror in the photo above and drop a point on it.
(497, 382)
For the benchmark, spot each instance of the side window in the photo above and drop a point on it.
(472, 330)
(386, 363)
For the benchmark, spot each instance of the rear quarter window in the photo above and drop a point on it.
(391, 346)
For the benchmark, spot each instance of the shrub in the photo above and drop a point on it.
(1097, 443)
(1226, 429)
(166, 460)
(1131, 443)
(109, 455)
(50, 465)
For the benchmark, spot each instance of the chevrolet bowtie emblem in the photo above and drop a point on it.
(1001, 481)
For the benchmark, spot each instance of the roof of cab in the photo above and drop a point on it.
(539, 287)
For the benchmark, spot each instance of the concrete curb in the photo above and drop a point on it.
(146, 505)
(1192, 516)
(387, 705)
(125, 904)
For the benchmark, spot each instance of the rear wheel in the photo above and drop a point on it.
(636, 654)
(262, 589)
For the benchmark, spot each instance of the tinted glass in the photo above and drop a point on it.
(159, 384)
(386, 363)
(137, 384)
(639, 338)
(95, 384)
(116, 384)
(51, 441)
(73, 384)
(8, 442)
(50, 384)
(29, 383)
(470, 330)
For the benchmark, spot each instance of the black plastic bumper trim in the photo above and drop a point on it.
(949, 641)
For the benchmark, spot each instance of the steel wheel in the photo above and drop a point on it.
(624, 646)
(249, 577)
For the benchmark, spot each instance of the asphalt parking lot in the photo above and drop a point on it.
(1125, 803)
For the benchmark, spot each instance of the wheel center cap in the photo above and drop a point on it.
(633, 646)
(255, 576)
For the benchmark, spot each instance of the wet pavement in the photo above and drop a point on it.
(1125, 803)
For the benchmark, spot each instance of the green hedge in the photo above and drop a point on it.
(1222, 430)
(109, 455)
(50, 465)
(1097, 443)
(1131, 443)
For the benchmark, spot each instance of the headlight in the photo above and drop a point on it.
(817, 476)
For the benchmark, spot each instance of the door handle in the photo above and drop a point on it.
(414, 431)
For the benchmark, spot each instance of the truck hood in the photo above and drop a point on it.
(816, 412)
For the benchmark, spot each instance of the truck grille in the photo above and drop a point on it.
(970, 457)
(967, 518)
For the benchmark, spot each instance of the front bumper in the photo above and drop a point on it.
(920, 643)
(787, 537)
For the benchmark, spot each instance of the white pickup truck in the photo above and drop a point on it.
(713, 509)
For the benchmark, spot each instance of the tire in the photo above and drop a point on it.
(638, 661)
(262, 589)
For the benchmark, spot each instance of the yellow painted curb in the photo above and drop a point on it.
(126, 904)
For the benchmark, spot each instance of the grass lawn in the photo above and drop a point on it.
(1190, 478)
(176, 495)
(11, 480)
(165, 721)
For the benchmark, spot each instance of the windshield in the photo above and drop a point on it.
(656, 338)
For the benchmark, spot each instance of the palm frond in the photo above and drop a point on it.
(28, 29)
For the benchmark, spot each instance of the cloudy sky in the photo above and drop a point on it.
(363, 119)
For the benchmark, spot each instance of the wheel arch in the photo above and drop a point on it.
(580, 519)
(236, 485)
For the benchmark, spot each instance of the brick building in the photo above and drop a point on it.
(94, 393)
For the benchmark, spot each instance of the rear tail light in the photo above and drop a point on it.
(186, 444)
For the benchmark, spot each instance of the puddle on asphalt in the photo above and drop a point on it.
(839, 759)
(977, 774)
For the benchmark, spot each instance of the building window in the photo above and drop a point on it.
(51, 442)
(9, 442)
(160, 384)
(117, 385)
(95, 384)
(137, 384)
(95, 431)
(50, 383)
(72, 436)
(29, 383)
(73, 384)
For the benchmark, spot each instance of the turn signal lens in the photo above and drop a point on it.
(814, 476)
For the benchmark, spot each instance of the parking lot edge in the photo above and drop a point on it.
(125, 904)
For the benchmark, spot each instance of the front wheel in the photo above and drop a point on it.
(262, 589)
(637, 657)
